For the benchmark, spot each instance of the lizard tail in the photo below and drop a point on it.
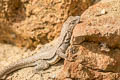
(28, 62)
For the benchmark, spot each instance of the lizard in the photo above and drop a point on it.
(49, 54)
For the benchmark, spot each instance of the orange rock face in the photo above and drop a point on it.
(88, 58)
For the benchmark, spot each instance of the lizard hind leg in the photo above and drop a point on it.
(40, 66)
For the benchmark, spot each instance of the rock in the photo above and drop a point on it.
(39, 21)
(86, 60)
(101, 29)
(89, 63)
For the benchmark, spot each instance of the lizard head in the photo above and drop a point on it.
(73, 19)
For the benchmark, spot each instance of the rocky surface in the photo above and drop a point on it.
(36, 22)
(95, 51)
(10, 53)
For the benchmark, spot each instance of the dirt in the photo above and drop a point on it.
(9, 54)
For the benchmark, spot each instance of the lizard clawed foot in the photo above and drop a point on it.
(40, 66)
